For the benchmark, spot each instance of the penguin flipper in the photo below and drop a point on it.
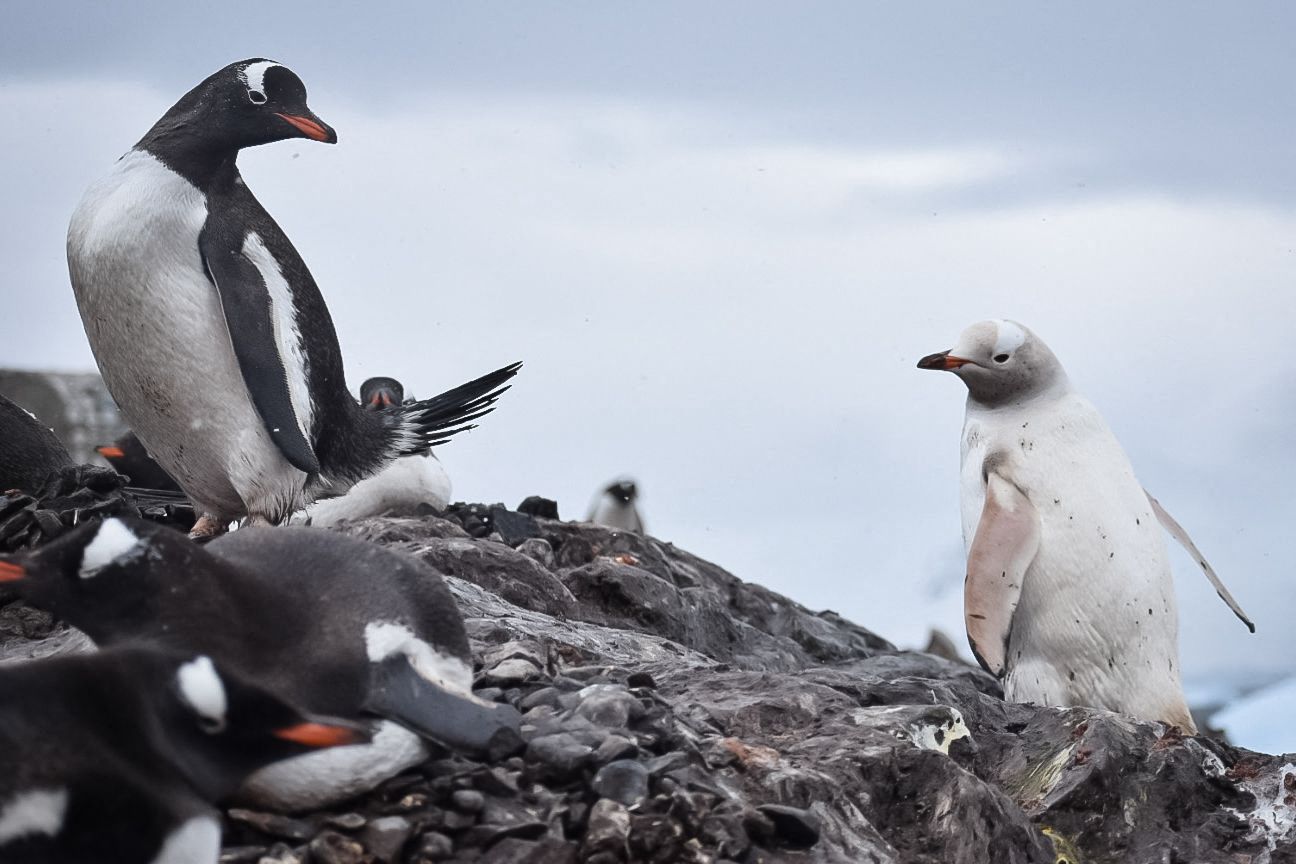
(1181, 537)
(249, 318)
(398, 692)
(1007, 538)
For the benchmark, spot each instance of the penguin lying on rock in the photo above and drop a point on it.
(331, 623)
(181, 276)
(118, 756)
(403, 486)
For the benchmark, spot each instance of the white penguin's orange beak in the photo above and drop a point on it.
(942, 360)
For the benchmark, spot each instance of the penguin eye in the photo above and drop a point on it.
(1001, 358)
(257, 97)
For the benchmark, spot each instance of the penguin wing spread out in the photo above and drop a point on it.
(1181, 537)
(397, 691)
(249, 317)
(1007, 538)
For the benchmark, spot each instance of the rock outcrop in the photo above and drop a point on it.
(677, 714)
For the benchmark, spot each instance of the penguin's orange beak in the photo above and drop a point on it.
(942, 360)
(321, 735)
(311, 127)
(11, 572)
(109, 452)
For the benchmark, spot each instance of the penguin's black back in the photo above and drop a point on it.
(29, 452)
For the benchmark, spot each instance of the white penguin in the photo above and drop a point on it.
(615, 507)
(1069, 596)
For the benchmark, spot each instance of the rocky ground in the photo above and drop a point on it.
(677, 714)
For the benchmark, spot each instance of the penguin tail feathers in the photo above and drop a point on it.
(428, 422)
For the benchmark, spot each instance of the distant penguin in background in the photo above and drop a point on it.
(334, 624)
(29, 450)
(615, 507)
(128, 457)
(1069, 596)
(402, 487)
(118, 756)
(208, 328)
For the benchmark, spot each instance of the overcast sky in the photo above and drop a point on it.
(720, 235)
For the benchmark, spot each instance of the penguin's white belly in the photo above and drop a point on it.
(402, 485)
(196, 841)
(158, 333)
(1096, 624)
(319, 779)
(615, 514)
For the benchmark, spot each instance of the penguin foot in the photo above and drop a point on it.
(208, 527)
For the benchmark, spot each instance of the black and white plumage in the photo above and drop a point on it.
(29, 451)
(332, 623)
(118, 756)
(209, 329)
(404, 486)
(615, 507)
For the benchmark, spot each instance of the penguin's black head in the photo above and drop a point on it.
(218, 726)
(377, 394)
(251, 102)
(623, 491)
(104, 577)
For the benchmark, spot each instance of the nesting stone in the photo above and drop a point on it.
(433, 846)
(345, 821)
(280, 853)
(275, 824)
(608, 705)
(242, 854)
(560, 752)
(608, 828)
(386, 837)
(641, 679)
(624, 780)
(468, 800)
(615, 747)
(538, 550)
(794, 826)
(331, 847)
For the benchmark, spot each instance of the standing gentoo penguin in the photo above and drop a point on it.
(209, 330)
(29, 451)
(615, 507)
(128, 457)
(1069, 596)
(118, 756)
(335, 625)
(401, 487)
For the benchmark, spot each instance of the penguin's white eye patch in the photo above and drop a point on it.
(257, 97)
(112, 542)
(203, 690)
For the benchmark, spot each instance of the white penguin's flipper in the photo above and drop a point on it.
(1007, 538)
(1181, 537)
(257, 303)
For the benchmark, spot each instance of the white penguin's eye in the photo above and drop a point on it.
(211, 725)
(1001, 358)
(257, 97)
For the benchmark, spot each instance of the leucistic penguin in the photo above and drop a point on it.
(332, 623)
(1069, 596)
(210, 331)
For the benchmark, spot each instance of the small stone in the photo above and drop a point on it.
(333, 848)
(515, 670)
(346, 821)
(560, 752)
(274, 824)
(539, 551)
(280, 853)
(615, 747)
(543, 696)
(456, 820)
(411, 802)
(608, 705)
(468, 800)
(535, 505)
(513, 850)
(666, 762)
(624, 780)
(242, 854)
(609, 826)
(794, 826)
(641, 679)
(386, 837)
(434, 846)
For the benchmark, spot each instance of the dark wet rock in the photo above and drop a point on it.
(624, 781)
(241, 854)
(672, 712)
(541, 508)
(385, 837)
(333, 848)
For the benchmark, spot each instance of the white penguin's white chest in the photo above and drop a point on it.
(403, 485)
